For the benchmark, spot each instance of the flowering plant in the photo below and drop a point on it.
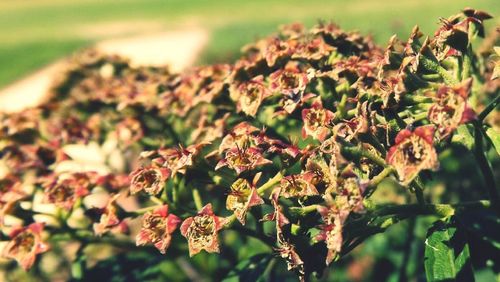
(289, 148)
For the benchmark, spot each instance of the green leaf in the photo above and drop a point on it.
(464, 136)
(494, 137)
(251, 269)
(447, 253)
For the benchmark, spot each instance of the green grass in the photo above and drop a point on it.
(35, 32)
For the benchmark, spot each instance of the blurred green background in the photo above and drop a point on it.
(35, 32)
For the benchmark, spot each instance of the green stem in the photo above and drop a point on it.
(442, 210)
(485, 167)
(197, 199)
(269, 184)
(303, 211)
(436, 67)
(357, 153)
(418, 188)
(491, 106)
(375, 181)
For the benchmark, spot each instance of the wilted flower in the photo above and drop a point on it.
(65, 189)
(209, 131)
(277, 50)
(289, 81)
(157, 228)
(331, 231)
(242, 197)
(109, 217)
(20, 122)
(298, 185)
(129, 131)
(10, 192)
(201, 231)
(150, 179)
(316, 121)
(25, 244)
(178, 159)
(348, 194)
(249, 95)
(243, 159)
(239, 137)
(413, 152)
(315, 50)
(113, 181)
(450, 108)
(289, 254)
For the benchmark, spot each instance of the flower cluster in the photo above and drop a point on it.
(306, 123)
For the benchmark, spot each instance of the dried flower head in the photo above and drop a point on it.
(65, 189)
(450, 108)
(249, 95)
(201, 231)
(242, 197)
(317, 121)
(157, 228)
(413, 152)
(331, 231)
(298, 185)
(109, 218)
(150, 179)
(243, 159)
(25, 244)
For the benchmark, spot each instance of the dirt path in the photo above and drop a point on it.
(178, 49)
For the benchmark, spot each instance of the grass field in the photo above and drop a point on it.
(36, 32)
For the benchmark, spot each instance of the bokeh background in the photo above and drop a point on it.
(36, 33)
(33, 33)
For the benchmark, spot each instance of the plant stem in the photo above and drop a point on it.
(442, 210)
(269, 184)
(197, 199)
(491, 106)
(485, 167)
(375, 181)
(357, 153)
(302, 211)
(407, 251)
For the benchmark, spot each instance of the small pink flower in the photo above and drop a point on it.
(450, 108)
(242, 197)
(150, 179)
(25, 244)
(157, 228)
(413, 152)
(201, 231)
(317, 121)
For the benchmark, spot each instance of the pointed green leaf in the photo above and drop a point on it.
(447, 253)
(494, 137)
